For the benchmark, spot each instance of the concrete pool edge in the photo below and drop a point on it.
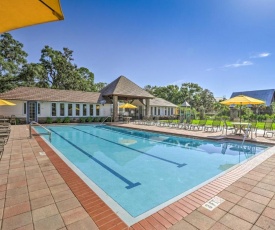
(198, 195)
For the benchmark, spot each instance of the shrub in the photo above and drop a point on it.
(49, 120)
(89, 119)
(67, 120)
(59, 120)
(82, 119)
(97, 119)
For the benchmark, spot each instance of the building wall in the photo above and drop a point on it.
(16, 110)
(46, 110)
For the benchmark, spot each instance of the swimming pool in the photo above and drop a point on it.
(142, 170)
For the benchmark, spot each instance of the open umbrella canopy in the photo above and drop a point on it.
(17, 13)
(127, 106)
(4, 102)
(242, 100)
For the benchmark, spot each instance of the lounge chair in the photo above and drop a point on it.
(215, 124)
(199, 126)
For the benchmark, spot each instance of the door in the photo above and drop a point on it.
(31, 111)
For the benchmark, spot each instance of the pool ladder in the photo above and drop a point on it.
(48, 132)
(105, 120)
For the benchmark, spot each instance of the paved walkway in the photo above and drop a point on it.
(39, 191)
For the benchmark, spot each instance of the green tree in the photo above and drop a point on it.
(12, 59)
(60, 73)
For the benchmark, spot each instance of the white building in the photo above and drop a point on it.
(37, 104)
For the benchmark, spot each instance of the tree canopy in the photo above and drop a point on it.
(55, 69)
(195, 95)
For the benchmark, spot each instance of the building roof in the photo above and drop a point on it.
(161, 102)
(122, 86)
(264, 95)
(56, 95)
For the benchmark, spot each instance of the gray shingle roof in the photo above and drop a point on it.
(122, 86)
(45, 94)
(161, 102)
(264, 95)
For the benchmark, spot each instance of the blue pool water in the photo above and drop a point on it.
(141, 170)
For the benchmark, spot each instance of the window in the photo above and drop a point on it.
(97, 110)
(151, 110)
(70, 109)
(158, 110)
(91, 110)
(62, 109)
(25, 107)
(53, 109)
(38, 108)
(165, 111)
(155, 111)
(77, 109)
(172, 112)
(84, 110)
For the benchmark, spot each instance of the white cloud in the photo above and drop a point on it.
(260, 55)
(238, 64)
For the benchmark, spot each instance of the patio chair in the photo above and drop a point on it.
(227, 128)
(13, 120)
(253, 127)
(268, 127)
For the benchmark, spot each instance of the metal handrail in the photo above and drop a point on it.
(36, 123)
(106, 119)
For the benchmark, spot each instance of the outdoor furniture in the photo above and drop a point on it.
(215, 124)
(199, 126)
(252, 128)
(240, 127)
(127, 119)
(267, 127)
(227, 128)
(13, 120)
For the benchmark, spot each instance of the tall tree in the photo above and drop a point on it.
(61, 73)
(12, 59)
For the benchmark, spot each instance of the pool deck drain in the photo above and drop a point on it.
(42, 192)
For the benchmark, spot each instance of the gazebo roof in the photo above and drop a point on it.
(123, 87)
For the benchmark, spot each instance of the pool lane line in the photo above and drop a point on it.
(147, 154)
(130, 184)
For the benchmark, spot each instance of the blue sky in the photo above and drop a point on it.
(222, 45)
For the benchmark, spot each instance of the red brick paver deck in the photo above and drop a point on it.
(41, 192)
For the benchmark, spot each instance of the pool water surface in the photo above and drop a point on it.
(141, 170)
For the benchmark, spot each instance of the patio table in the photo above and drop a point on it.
(240, 126)
(127, 119)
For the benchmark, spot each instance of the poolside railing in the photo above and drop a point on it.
(106, 119)
(48, 132)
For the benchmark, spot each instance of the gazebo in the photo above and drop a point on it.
(124, 89)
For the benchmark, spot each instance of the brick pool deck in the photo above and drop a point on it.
(39, 191)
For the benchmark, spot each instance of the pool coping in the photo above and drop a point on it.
(182, 205)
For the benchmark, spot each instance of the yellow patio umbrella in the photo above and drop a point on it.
(4, 102)
(15, 14)
(242, 100)
(127, 106)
